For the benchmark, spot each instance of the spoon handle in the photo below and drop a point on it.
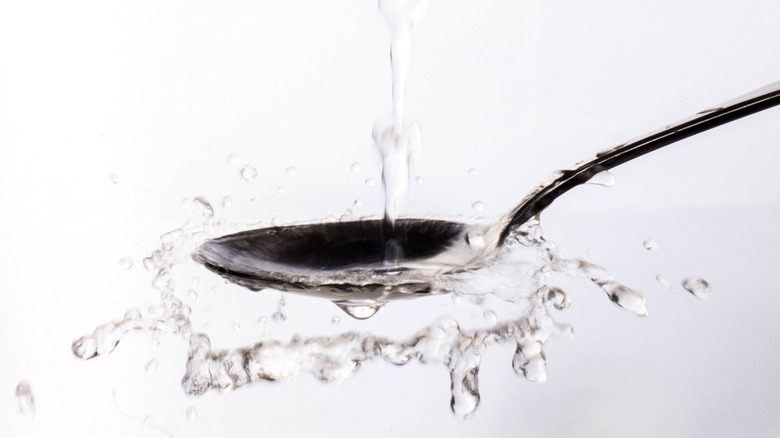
(753, 102)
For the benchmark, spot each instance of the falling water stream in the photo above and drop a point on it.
(519, 275)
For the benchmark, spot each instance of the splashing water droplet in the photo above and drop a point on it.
(603, 178)
(248, 173)
(697, 286)
(192, 415)
(359, 310)
(115, 178)
(151, 367)
(473, 171)
(419, 180)
(25, 400)
(650, 244)
(370, 181)
(192, 294)
(291, 171)
(236, 327)
(477, 205)
(335, 320)
(203, 205)
(227, 201)
(355, 167)
(234, 160)
(125, 263)
(279, 316)
(627, 298)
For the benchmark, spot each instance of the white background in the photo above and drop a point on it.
(112, 112)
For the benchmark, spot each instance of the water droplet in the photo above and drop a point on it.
(192, 414)
(419, 180)
(203, 205)
(192, 294)
(227, 201)
(370, 181)
(473, 171)
(650, 244)
(291, 171)
(477, 205)
(234, 160)
(236, 327)
(151, 367)
(490, 317)
(335, 320)
(248, 173)
(359, 310)
(603, 178)
(279, 316)
(125, 263)
(355, 167)
(627, 298)
(25, 400)
(262, 320)
(116, 178)
(697, 286)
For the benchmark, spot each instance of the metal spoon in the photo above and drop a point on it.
(344, 261)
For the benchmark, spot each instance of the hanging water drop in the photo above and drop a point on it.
(355, 167)
(603, 178)
(477, 205)
(370, 181)
(650, 244)
(359, 310)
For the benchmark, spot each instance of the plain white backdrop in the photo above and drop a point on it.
(112, 112)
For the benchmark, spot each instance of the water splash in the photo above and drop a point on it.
(519, 276)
